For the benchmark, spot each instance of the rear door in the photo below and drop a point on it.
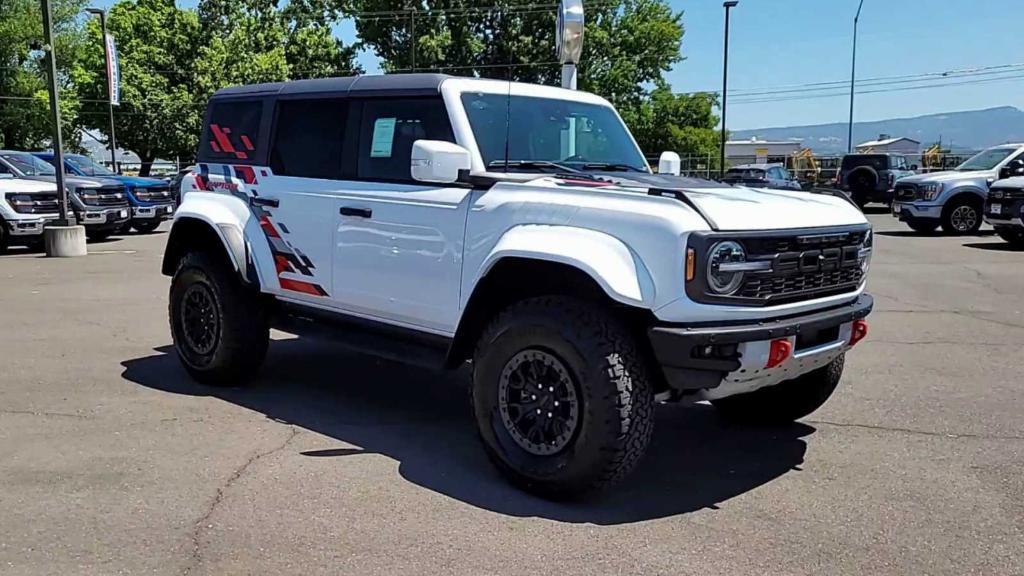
(398, 243)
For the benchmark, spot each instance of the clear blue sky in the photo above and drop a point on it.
(792, 42)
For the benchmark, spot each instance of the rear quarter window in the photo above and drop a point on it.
(232, 133)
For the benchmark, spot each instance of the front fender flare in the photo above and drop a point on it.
(605, 258)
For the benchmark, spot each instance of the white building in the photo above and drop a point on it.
(756, 151)
(887, 144)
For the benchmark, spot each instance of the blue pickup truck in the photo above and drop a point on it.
(151, 200)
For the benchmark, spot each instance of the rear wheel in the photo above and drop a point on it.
(219, 326)
(962, 215)
(784, 402)
(561, 397)
(1012, 235)
(145, 226)
(862, 184)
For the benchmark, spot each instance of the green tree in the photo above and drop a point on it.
(682, 123)
(24, 100)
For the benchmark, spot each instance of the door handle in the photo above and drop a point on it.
(358, 212)
(264, 201)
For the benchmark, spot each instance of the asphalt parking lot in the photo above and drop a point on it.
(112, 461)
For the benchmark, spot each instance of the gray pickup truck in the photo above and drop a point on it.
(955, 198)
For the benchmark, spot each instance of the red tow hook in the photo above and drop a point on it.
(778, 352)
(858, 332)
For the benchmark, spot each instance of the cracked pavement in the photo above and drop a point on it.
(113, 462)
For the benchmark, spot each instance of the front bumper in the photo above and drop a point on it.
(158, 212)
(722, 360)
(104, 218)
(909, 211)
(28, 227)
(1004, 212)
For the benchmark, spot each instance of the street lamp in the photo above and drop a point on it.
(110, 89)
(853, 77)
(725, 83)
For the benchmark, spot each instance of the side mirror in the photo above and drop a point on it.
(669, 163)
(1012, 168)
(438, 161)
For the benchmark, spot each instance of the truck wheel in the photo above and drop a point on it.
(561, 397)
(1013, 236)
(922, 226)
(219, 326)
(962, 216)
(786, 401)
(145, 227)
(4, 237)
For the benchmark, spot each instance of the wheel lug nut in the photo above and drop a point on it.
(551, 389)
(538, 410)
(549, 414)
(556, 402)
(534, 397)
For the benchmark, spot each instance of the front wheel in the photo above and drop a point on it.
(561, 397)
(1013, 236)
(962, 216)
(219, 326)
(784, 402)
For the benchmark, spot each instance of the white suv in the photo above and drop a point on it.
(442, 220)
(25, 208)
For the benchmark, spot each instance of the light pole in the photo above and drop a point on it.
(67, 218)
(110, 89)
(725, 83)
(853, 78)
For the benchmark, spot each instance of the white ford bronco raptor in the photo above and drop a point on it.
(443, 220)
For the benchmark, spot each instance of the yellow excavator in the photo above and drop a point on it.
(803, 164)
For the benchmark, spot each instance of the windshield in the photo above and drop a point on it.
(86, 166)
(547, 134)
(745, 173)
(986, 159)
(28, 164)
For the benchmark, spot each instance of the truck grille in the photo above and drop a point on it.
(106, 196)
(1006, 194)
(33, 203)
(153, 194)
(906, 192)
(785, 287)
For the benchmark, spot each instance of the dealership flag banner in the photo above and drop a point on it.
(113, 71)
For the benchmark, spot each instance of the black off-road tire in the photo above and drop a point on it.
(616, 402)
(239, 341)
(922, 226)
(145, 227)
(785, 402)
(1012, 235)
(863, 182)
(952, 217)
(5, 239)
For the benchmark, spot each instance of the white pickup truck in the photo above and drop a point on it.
(444, 220)
(25, 208)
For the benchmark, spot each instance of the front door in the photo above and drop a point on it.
(398, 243)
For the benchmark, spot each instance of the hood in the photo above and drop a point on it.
(740, 208)
(23, 186)
(72, 182)
(949, 176)
(138, 181)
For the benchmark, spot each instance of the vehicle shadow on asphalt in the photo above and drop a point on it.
(423, 420)
(993, 246)
(935, 234)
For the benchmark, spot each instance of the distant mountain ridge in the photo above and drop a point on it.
(967, 130)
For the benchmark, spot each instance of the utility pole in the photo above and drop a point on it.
(67, 218)
(730, 4)
(853, 79)
(110, 88)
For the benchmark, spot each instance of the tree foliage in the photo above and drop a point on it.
(628, 47)
(24, 102)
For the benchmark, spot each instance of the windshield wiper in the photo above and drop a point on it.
(532, 164)
(611, 167)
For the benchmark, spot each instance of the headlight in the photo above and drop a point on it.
(864, 256)
(724, 276)
(931, 191)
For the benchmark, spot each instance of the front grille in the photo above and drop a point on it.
(1006, 194)
(906, 192)
(787, 287)
(33, 203)
(153, 194)
(106, 196)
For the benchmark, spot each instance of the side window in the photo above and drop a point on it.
(4, 169)
(784, 174)
(308, 136)
(232, 132)
(775, 173)
(388, 130)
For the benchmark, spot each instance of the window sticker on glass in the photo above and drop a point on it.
(383, 138)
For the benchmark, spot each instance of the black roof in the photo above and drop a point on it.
(390, 84)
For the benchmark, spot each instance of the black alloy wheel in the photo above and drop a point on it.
(538, 402)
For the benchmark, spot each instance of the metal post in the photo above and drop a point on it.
(67, 217)
(725, 84)
(110, 92)
(569, 76)
(853, 78)
(412, 34)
